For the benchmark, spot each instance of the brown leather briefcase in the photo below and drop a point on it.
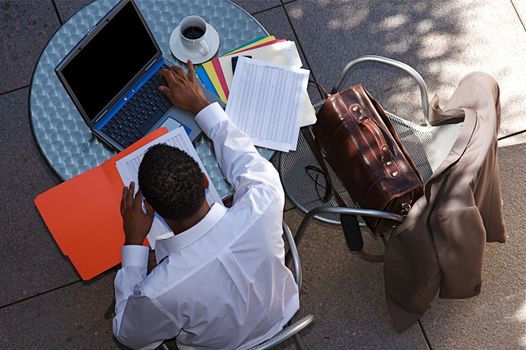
(359, 142)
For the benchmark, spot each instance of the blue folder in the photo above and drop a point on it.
(201, 73)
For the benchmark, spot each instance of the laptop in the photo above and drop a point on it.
(112, 76)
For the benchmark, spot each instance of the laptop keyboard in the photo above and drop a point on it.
(139, 114)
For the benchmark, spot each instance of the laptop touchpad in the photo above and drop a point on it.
(174, 118)
(170, 124)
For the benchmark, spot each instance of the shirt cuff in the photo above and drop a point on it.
(135, 255)
(210, 116)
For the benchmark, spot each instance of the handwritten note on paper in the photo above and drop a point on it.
(128, 168)
(266, 101)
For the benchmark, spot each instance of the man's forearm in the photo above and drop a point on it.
(238, 158)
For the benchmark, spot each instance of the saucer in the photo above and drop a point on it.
(183, 54)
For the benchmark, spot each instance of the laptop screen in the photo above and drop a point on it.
(109, 61)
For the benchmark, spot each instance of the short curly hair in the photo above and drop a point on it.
(172, 182)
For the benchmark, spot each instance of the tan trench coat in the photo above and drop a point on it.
(439, 246)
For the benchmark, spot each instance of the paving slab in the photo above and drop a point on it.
(276, 23)
(68, 318)
(345, 294)
(253, 6)
(30, 261)
(520, 8)
(443, 40)
(67, 8)
(513, 140)
(24, 31)
(496, 319)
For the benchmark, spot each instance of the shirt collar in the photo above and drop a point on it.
(164, 247)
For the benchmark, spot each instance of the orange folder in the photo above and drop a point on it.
(83, 214)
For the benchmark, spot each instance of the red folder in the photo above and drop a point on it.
(220, 76)
(83, 214)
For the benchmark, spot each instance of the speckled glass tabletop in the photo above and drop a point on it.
(62, 135)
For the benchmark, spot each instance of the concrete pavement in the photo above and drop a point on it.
(43, 303)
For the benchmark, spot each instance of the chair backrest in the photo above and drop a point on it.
(428, 146)
(295, 255)
(291, 329)
(286, 333)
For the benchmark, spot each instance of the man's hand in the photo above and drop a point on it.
(136, 223)
(183, 91)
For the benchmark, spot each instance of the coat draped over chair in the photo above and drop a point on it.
(439, 247)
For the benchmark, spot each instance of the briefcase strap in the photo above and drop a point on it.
(350, 226)
(321, 89)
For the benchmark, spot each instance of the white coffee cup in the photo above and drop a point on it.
(193, 34)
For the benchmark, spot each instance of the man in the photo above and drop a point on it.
(220, 282)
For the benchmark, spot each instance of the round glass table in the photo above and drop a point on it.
(64, 139)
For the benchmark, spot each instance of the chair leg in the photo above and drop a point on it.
(299, 343)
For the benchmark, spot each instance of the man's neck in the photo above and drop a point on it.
(179, 226)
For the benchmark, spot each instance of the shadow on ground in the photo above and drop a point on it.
(443, 40)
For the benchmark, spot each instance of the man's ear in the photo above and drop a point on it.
(205, 181)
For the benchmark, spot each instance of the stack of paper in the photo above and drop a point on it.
(266, 102)
(217, 75)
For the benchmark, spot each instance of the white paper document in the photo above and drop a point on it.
(128, 168)
(284, 53)
(266, 101)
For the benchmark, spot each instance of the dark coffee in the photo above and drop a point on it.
(193, 32)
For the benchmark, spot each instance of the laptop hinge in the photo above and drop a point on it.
(151, 64)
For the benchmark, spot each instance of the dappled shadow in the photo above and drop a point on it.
(345, 294)
(443, 40)
(497, 317)
(421, 34)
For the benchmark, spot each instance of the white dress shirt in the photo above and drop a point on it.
(222, 284)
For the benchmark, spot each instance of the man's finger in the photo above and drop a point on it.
(149, 209)
(123, 199)
(137, 202)
(164, 74)
(178, 71)
(164, 90)
(169, 77)
(129, 195)
(178, 76)
(191, 71)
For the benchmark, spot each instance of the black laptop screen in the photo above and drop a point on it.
(104, 66)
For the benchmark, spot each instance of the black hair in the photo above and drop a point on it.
(172, 182)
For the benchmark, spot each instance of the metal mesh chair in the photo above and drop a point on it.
(291, 330)
(305, 185)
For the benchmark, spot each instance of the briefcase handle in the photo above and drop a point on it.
(394, 63)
